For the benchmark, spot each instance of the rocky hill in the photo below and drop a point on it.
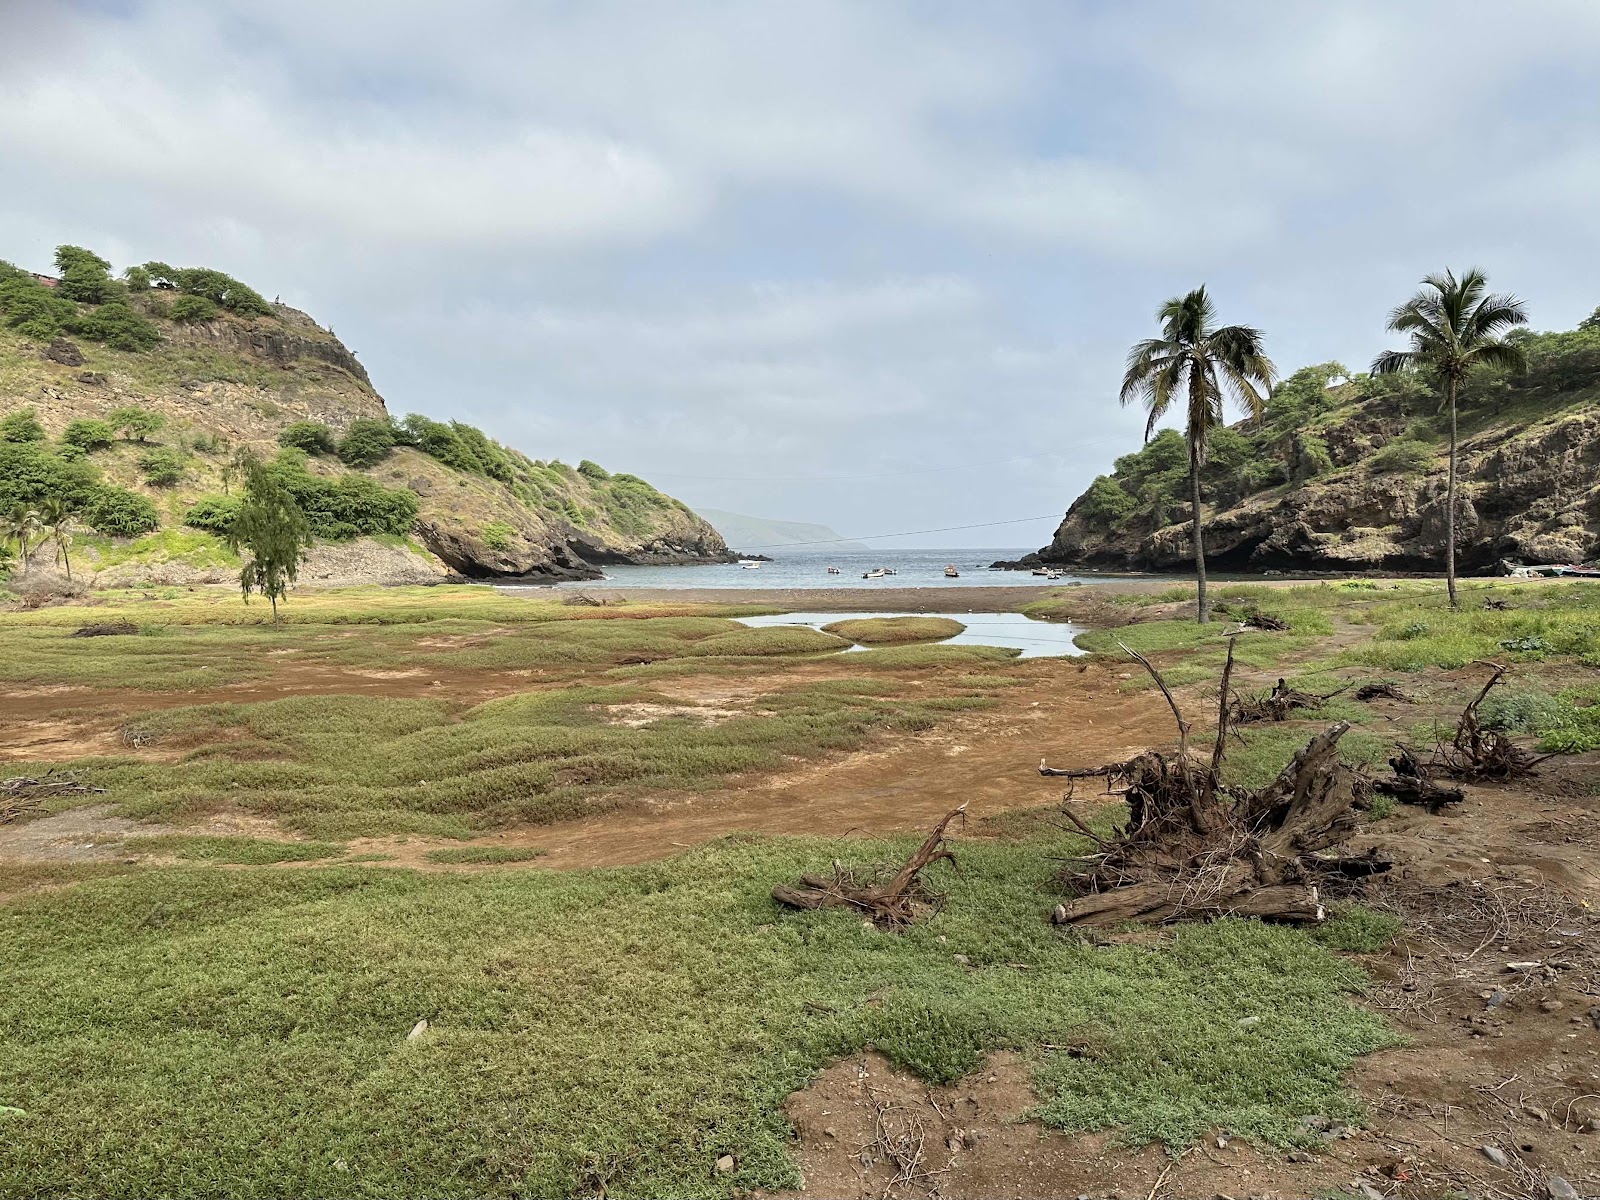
(1347, 473)
(216, 370)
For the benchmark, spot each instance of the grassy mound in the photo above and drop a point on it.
(891, 631)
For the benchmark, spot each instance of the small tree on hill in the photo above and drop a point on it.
(21, 426)
(135, 422)
(276, 533)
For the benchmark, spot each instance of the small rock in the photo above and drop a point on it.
(1495, 1155)
(971, 1138)
(1368, 1192)
(725, 1164)
(1058, 915)
(1519, 967)
(1551, 1006)
(339, 1164)
(1496, 999)
(417, 1030)
(953, 1142)
(1222, 1142)
(1592, 1125)
(65, 352)
(1534, 1111)
(1302, 1156)
(1249, 1022)
(1316, 1122)
(1559, 1189)
(1594, 1016)
(830, 1132)
(962, 959)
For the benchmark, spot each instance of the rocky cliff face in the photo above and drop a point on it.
(1529, 494)
(232, 382)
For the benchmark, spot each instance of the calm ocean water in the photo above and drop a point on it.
(807, 567)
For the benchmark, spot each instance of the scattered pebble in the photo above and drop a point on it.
(1495, 1155)
(1550, 1006)
(1496, 998)
(962, 959)
(417, 1030)
(725, 1164)
(1560, 1189)
(1249, 1022)
(1534, 1111)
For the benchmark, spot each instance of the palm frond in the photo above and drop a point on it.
(1393, 362)
(1499, 354)
(1493, 314)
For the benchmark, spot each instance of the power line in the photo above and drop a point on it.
(871, 537)
(999, 462)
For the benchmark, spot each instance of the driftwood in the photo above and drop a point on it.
(1195, 848)
(896, 902)
(1382, 691)
(1479, 753)
(1275, 705)
(106, 629)
(23, 793)
(1496, 605)
(1413, 784)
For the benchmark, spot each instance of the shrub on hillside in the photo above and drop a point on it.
(190, 310)
(89, 434)
(1403, 456)
(163, 466)
(118, 326)
(214, 514)
(85, 276)
(116, 512)
(30, 475)
(21, 426)
(34, 310)
(367, 441)
(222, 290)
(311, 436)
(1105, 503)
(136, 423)
(593, 470)
(346, 507)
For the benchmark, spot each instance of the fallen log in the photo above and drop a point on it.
(1413, 784)
(24, 793)
(894, 903)
(1382, 691)
(105, 629)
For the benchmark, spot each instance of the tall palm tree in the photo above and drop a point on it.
(1203, 365)
(1454, 324)
(19, 525)
(58, 517)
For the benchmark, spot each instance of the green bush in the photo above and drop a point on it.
(85, 276)
(497, 535)
(34, 310)
(214, 514)
(116, 512)
(1105, 503)
(219, 289)
(163, 466)
(21, 426)
(189, 310)
(118, 326)
(30, 475)
(311, 436)
(136, 423)
(89, 434)
(137, 278)
(366, 442)
(593, 470)
(347, 507)
(1403, 457)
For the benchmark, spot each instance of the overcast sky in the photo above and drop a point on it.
(865, 263)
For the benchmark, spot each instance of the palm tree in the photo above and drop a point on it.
(1454, 325)
(59, 518)
(1203, 364)
(20, 524)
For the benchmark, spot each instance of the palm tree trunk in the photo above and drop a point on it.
(1450, 504)
(1202, 607)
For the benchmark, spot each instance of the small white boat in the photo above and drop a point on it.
(834, 571)
(1040, 571)
(950, 571)
(875, 573)
(751, 566)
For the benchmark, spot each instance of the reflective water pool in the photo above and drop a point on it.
(1036, 639)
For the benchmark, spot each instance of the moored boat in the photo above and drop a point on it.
(950, 571)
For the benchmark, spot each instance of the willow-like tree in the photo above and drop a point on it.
(1201, 366)
(271, 526)
(1454, 325)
